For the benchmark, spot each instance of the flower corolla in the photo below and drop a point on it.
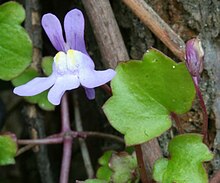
(72, 64)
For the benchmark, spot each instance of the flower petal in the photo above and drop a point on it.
(74, 30)
(35, 86)
(90, 93)
(53, 28)
(92, 78)
(66, 82)
(80, 59)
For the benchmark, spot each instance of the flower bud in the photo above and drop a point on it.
(194, 56)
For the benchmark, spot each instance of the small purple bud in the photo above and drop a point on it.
(194, 56)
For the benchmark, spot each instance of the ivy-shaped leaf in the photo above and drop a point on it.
(104, 172)
(15, 44)
(144, 94)
(8, 148)
(124, 167)
(40, 99)
(187, 153)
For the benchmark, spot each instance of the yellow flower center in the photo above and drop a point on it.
(65, 61)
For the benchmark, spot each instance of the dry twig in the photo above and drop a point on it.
(157, 25)
(106, 31)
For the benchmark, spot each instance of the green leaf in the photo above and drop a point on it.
(144, 94)
(15, 44)
(104, 172)
(130, 149)
(93, 181)
(8, 148)
(40, 99)
(160, 167)
(104, 159)
(187, 154)
(125, 168)
(12, 13)
(44, 103)
(46, 65)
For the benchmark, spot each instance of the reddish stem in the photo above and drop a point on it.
(58, 138)
(67, 141)
(40, 141)
(107, 89)
(141, 165)
(65, 114)
(204, 111)
(66, 160)
(178, 123)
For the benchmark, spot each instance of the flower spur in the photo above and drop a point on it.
(72, 65)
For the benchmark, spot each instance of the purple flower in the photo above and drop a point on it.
(72, 65)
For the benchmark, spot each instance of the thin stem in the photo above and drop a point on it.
(57, 140)
(102, 135)
(107, 89)
(65, 114)
(178, 123)
(30, 143)
(141, 165)
(66, 160)
(204, 111)
(24, 149)
(67, 141)
(83, 146)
